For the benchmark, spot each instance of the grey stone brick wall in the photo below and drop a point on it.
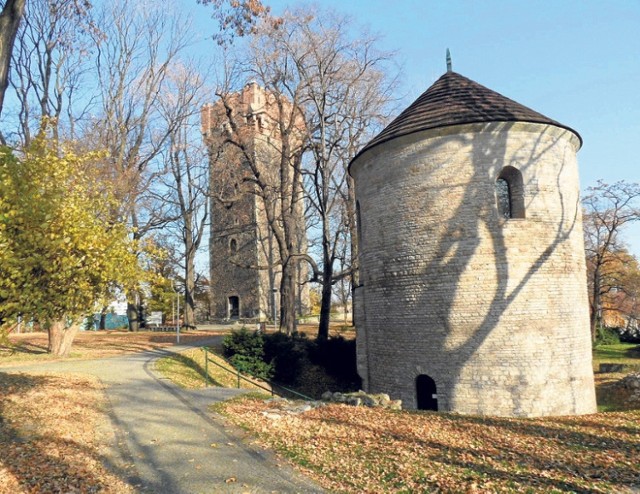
(495, 310)
(252, 268)
(234, 273)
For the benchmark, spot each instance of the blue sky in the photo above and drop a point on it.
(577, 62)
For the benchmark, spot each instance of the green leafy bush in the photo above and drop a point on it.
(244, 342)
(251, 366)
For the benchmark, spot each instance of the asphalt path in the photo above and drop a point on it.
(164, 438)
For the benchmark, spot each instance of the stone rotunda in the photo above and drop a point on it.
(473, 295)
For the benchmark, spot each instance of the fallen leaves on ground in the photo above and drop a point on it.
(365, 450)
(53, 436)
(29, 347)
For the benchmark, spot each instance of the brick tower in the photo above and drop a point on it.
(244, 261)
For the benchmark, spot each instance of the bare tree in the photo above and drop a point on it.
(338, 82)
(267, 138)
(186, 186)
(10, 17)
(51, 55)
(329, 94)
(236, 17)
(608, 208)
(140, 48)
(344, 286)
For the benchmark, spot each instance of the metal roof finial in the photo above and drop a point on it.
(449, 69)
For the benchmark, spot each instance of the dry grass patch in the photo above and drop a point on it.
(52, 436)
(30, 347)
(189, 370)
(363, 450)
(610, 396)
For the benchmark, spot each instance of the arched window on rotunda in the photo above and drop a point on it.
(510, 193)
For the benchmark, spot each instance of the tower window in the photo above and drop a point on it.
(233, 246)
(503, 198)
(358, 224)
(510, 193)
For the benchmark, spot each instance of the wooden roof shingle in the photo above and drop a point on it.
(456, 100)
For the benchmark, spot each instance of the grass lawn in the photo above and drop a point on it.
(621, 353)
(609, 396)
(188, 370)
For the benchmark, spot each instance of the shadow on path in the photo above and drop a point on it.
(174, 444)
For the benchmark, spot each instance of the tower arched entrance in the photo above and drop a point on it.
(234, 307)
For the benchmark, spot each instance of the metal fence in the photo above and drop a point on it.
(274, 388)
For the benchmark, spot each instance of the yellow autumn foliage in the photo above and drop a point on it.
(61, 252)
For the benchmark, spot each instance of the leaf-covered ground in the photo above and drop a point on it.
(50, 424)
(364, 450)
(50, 439)
(30, 347)
(53, 432)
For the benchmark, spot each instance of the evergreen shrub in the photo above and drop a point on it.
(245, 351)
(310, 366)
(607, 336)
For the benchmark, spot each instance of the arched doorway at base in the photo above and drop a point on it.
(426, 393)
(234, 307)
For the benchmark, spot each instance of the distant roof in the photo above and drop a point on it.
(455, 100)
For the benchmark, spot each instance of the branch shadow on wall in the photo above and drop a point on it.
(453, 254)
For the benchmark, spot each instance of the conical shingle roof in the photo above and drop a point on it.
(455, 100)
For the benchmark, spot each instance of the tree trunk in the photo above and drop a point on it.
(327, 288)
(10, 18)
(594, 324)
(189, 285)
(103, 319)
(595, 306)
(61, 337)
(288, 299)
(354, 228)
(134, 316)
(327, 278)
(325, 308)
(273, 290)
